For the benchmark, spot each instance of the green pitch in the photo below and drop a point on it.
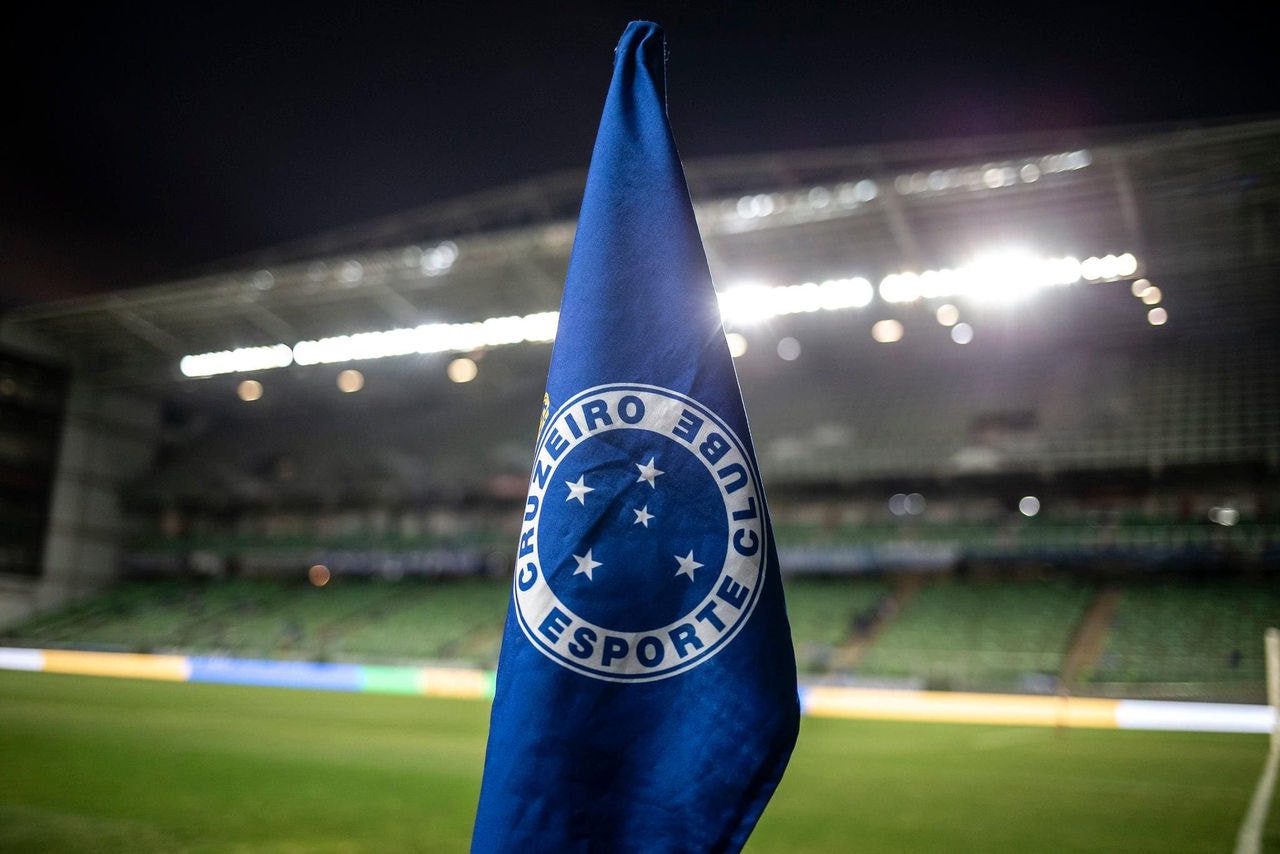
(96, 764)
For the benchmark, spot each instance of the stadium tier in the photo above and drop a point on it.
(381, 623)
(1049, 357)
(1171, 640)
(1188, 637)
(1012, 636)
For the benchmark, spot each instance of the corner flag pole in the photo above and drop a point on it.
(1249, 838)
(1271, 641)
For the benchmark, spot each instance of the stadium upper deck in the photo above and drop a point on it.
(1019, 308)
(1196, 208)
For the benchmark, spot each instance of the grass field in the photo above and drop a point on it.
(97, 764)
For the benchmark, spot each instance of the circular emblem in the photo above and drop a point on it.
(641, 554)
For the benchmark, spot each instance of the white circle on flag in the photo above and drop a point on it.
(605, 639)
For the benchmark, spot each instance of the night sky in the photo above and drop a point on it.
(147, 144)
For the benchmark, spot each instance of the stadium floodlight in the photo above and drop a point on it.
(900, 287)
(439, 258)
(991, 176)
(1011, 276)
(462, 370)
(1225, 516)
(748, 304)
(351, 272)
(240, 360)
(428, 338)
(761, 204)
(350, 381)
(887, 331)
(1004, 277)
(1109, 268)
(249, 391)
(824, 201)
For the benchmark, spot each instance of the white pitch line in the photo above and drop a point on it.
(1249, 840)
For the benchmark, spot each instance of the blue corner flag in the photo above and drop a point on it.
(646, 690)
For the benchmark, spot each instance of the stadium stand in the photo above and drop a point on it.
(981, 635)
(353, 620)
(949, 507)
(1171, 639)
(830, 614)
(1188, 638)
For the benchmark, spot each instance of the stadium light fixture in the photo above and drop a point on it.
(249, 391)
(462, 370)
(428, 338)
(240, 360)
(907, 505)
(351, 272)
(439, 258)
(887, 331)
(749, 304)
(1004, 277)
(998, 278)
(350, 381)
(737, 343)
(734, 214)
(1225, 516)
(825, 201)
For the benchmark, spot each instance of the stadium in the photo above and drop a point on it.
(1016, 401)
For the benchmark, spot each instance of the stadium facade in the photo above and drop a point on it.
(1047, 350)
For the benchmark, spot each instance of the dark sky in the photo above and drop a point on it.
(145, 141)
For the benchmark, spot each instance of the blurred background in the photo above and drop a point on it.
(280, 292)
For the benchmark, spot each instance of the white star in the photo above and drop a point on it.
(687, 565)
(579, 490)
(642, 516)
(585, 565)
(648, 472)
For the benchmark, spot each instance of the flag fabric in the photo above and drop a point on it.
(646, 692)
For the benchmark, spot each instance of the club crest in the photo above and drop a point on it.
(642, 549)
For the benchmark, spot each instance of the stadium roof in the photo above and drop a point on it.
(1195, 205)
(1016, 308)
